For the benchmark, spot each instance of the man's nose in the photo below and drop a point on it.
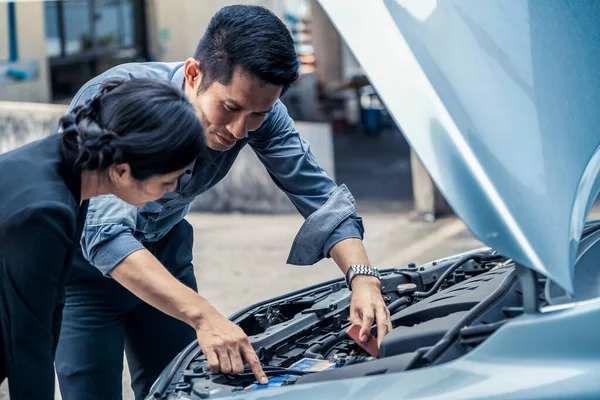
(238, 128)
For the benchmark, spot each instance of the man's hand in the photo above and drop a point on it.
(226, 346)
(368, 306)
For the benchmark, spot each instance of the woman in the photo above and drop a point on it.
(133, 140)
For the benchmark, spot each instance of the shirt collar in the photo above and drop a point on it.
(178, 77)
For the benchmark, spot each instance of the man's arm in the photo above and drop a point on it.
(224, 344)
(109, 245)
(332, 227)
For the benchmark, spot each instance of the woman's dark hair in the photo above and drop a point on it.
(249, 37)
(145, 123)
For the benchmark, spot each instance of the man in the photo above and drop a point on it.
(244, 62)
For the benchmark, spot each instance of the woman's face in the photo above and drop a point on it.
(136, 192)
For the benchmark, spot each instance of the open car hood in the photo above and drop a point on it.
(501, 102)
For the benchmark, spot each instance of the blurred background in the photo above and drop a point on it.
(49, 49)
(244, 226)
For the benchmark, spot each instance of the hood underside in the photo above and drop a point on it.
(501, 102)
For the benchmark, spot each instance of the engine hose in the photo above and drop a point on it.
(313, 352)
(358, 359)
(454, 267)
(317, 350)
(396, 305)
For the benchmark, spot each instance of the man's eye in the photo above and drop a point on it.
(228, 108)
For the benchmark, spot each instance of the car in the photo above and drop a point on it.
(501, 102)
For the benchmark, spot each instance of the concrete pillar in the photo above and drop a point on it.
(428, 199)
(328, 46)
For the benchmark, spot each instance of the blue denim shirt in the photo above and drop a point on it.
(115, 229)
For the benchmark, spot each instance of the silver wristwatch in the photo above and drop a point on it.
(358, 269)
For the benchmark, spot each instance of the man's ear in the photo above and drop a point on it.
(191, 71)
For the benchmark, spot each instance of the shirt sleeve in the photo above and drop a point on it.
(34, 245)
(88, 90)
(329, 211)
(108, 235)
(83, 95)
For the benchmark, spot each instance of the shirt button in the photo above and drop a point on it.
(150, 221)
(155, 235)
(168, 208)
(184, 194)
(188, 171)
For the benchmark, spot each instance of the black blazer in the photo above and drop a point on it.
(41, 221)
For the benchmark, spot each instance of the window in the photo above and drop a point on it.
(52, 30)
(86, 37)
(88, 25)
(77, 26)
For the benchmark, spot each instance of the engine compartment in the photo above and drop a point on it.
(440, 311)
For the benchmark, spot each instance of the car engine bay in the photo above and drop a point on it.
(439, 311)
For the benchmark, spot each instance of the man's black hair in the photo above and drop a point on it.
(249, 37)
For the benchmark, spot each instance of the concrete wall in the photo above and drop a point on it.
(31, 35)
(21, 123)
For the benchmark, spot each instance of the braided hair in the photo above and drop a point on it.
(146, 123)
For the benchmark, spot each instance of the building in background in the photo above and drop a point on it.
(53, 47)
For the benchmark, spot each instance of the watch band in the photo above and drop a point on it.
(359, 269)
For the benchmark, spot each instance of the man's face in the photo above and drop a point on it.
(227, 113)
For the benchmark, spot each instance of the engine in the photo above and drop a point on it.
(440, 311)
